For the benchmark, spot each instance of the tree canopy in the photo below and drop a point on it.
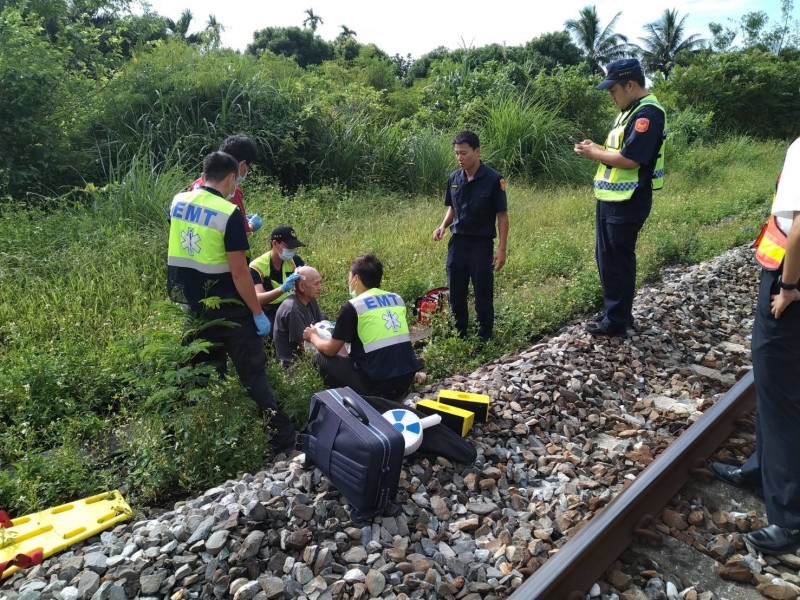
(600, 45)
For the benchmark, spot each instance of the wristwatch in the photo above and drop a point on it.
(786, 286)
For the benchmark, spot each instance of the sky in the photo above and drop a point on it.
(418, 26)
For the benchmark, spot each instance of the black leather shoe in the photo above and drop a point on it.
(284, 446)
(773, 539)
(600, 328)
(601, 316)
(733, 476)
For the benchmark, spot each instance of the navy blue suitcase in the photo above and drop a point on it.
(359, 450)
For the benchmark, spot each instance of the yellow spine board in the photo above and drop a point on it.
(51, 531)
(457, 419)
(477, 403)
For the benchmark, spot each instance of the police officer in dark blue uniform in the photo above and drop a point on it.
(776, 354)
(475, 197)
(630, 167)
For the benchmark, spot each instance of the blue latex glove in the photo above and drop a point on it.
(262, 324)
(288, 283)
(254, 221)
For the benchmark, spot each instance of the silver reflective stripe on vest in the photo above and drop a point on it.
(176, 261)
(190, 212)
(361, 307)
(386, 342)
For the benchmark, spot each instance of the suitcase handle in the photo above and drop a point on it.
(355, 410)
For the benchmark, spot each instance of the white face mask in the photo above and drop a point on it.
(229, 196)
(353, 293)
(287, 254)
(241, 178)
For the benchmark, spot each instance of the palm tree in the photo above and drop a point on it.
(180, 28)
(347, 32)
(599, 45)
(213, 32)
(664, 41)
(313, 21)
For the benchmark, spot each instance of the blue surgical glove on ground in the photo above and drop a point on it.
(262, 324)
(254, 221)
(289, 282)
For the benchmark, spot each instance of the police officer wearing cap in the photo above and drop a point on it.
(631, 166)
(776, 354)
(273, 272)
(206, 259)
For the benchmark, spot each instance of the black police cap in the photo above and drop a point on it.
(620, 70)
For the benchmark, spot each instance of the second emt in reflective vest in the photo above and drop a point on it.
(381, 361)
(631, 166)
(273, 272)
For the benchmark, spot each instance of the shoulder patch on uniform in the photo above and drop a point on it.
(502, 184)
(642, 124)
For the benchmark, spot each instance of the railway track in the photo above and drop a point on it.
(571, 572)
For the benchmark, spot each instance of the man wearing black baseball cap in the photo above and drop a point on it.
(631, 166)
(273, 272)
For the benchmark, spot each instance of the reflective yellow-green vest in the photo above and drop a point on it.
(198, 220)
(616, 183)
(261, 265)
(383, 330)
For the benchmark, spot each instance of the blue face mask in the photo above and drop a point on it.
(287, 254)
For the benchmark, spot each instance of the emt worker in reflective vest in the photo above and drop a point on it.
(206, 258)
(776, 355)
(475, 197)
(273, 272)
(381, 361)
(631, 166)
(245, 151)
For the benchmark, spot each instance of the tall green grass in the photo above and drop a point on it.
(523, 137)
(81, 315)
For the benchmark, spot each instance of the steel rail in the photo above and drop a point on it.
(577, 565)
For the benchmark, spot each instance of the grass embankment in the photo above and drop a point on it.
(88, 388)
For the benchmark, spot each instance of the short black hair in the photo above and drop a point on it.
(638, 78)
(218, 165)
(469, 138)
(369, 270)
(240, 147)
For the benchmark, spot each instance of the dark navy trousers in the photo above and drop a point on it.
(617, 226)
(246, 349)
(470, 259)
(776, 361)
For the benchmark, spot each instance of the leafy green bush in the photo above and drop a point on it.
(686, 127)
(570, 93)
(176, 103)
(40, 109)
(752, 93)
